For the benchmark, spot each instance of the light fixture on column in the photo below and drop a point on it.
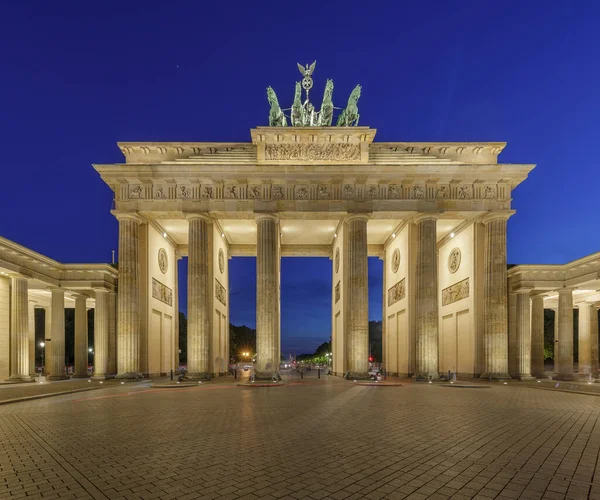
(164, 235)
(222, 235)
(451, 235)
(335, 235)
(393, 235)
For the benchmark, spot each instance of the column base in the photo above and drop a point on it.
(129, 376)
(524, 377)
(100, 377)
(495, 376)
(566, 377)
(20, 378)
(540, 375)
(267, 376)
(79, 375)
(57, 377)
(357, 376)
(198, 376)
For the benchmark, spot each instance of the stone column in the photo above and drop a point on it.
(128, 308)
(537, 336)
(81, 338)
(267, 295)
(101, 334)
(57, 345)
(555, 344)
(495, 334)
(426, 304)
(47, 350)
(19, 330)
(523, 346)
(585, 345)
(565, 335)
(357, 338)
(594, 340)
(31, 342)
(112, 333)
(198, 334)
(513, 368)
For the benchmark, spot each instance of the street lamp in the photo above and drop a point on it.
(42, 345)
(91, 351)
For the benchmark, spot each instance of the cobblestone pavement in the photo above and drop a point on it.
(313, 440)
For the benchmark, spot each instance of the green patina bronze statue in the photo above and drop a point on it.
(304, 114)
(350, 115)
(276, 116)
(326, 113)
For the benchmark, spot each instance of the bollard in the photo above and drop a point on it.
(171, 374)
(235, 373)
(301, 374)
(319, 372)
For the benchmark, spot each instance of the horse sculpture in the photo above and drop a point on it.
(297, 110)
(276, 116)
(326, 113)
(350, 115)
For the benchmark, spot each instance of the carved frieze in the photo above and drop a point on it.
(208, 192)
(349, 191)
(184, 192)
(455, 292)
(324, 192)
(395, 191)
(397, 292)
(231, 192)
(312, 152)
(418, 192)
(254, 192)
(464, 192)
(136, 192)
(220, 292)
(441, 192)
(337, 292)
(301, 192)
(454, 260)
(163, 260)
(162, 292)
(277, 192)
(337, 260)
(160, 193)
(372, 192)
(489, 192)
(395, 260)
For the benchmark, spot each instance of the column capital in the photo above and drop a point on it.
(57, 289)
(127, 216)
(357, 216)
(204, 217)
(266, 215)
(425, 216)
(565, 290)
(500, 214)
(523, 290)
(98, 290)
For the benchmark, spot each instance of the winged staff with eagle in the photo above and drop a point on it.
(304, 114)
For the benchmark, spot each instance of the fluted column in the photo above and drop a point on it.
(585, 345)
(19, 330)
(565, 335)
(101, 334)
(112, 333)
(47, 349)
(267, 295)
(81, 337)
(594, 340)
(537, 336)
(31, 341)
(555, 345)
(523, 345)
(357, 337)
(426, 305)
(128, 305)
(495, 335)
(57, 345)
(198, 298)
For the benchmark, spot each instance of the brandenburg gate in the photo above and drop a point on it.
(435, 213)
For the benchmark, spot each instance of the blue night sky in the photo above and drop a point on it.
(76, 77)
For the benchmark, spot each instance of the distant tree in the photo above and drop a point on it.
(323, 350)
(182, 337)
(241, 339)
(375, 333)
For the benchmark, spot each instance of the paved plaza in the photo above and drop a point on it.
(308, 439)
